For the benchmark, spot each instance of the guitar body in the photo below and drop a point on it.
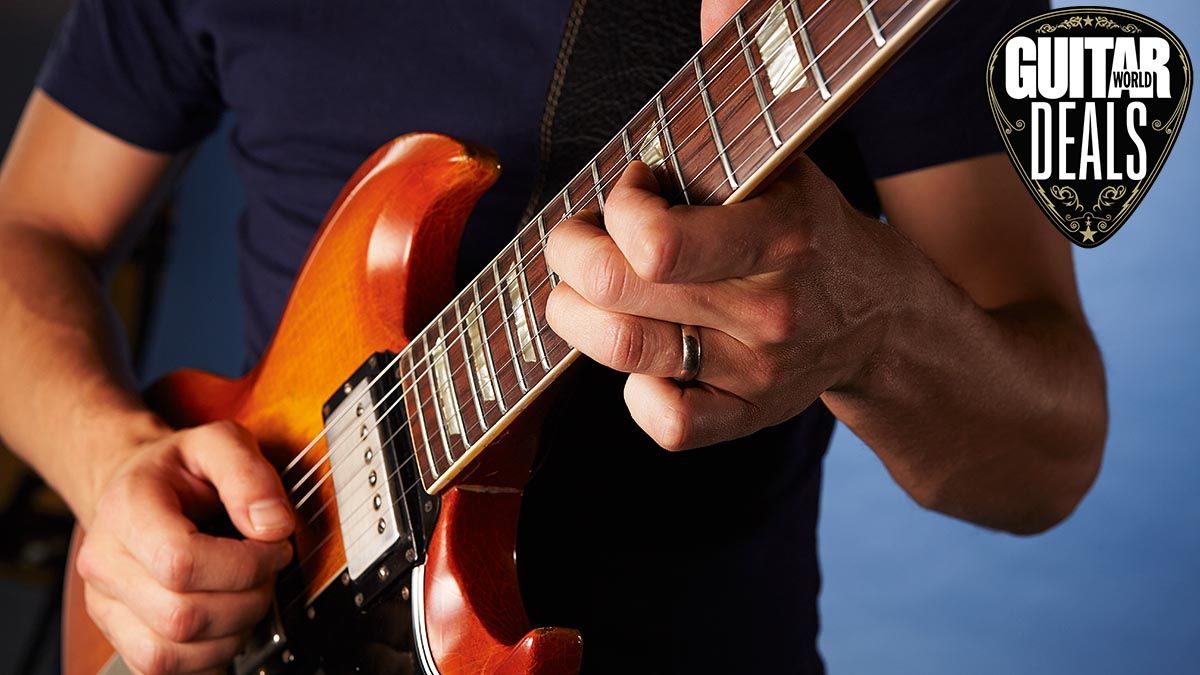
(380, 267)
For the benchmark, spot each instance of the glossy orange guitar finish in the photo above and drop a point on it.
(381, 266)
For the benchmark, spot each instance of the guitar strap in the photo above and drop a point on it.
(614, 56)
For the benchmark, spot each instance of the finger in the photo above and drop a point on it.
(674, 244)
(146, 652)
(153, 529)
(227, 456)
(180, 617)
(635, 344)
(587, 259)
(682, 418)
(714, 14)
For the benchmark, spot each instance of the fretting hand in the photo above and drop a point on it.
(782, 288)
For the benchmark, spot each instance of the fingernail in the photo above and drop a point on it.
(270, 515)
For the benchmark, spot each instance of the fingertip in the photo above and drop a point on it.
(284, 553)
(639, 175)
(270, 519)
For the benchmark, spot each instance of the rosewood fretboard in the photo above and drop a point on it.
(760, 90)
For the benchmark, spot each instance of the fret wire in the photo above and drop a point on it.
(487, 349)
(468, 363)
(836, 73)
(495, 273)
(839, 70)
(846, 63)
(566, 193)
(541, 238)
(666, 131)
(512, 350)
(712, 125)
(312, 443)
(395, 472)
(808, 50)
(625, 142)
(599, 188)
(527, 306)
(758, 90)
(435, 403)
(872, 23)
(428, 447)
(794, 113)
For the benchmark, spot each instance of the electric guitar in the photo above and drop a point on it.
(403, 418)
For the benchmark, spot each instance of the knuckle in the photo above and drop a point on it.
(153, 657)
(608, 279)
(181, 621)
(657, 253)
(222, 431)
(173, 566)
(626, 344)
(85, 562)
(778, 321)
(674, 430)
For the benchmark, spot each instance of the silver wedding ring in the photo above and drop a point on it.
(690, 366)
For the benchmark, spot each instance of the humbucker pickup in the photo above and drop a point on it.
(381, 504)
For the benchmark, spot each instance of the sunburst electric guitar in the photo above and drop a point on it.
(404, 427)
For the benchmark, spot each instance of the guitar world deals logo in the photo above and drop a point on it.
(1089, 102)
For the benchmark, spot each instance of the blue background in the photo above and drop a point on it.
(1113, 590)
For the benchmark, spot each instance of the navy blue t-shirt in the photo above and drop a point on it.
(696, 562)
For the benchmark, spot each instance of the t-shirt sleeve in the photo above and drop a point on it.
(931, 107)
(132, 69)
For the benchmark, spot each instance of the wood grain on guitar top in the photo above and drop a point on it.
(381, 265)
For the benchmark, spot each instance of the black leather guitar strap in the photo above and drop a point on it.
(614, 56)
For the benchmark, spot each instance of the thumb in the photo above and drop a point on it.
(226, 455)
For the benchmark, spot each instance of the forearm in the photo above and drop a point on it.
(68, 404)
(997, 417)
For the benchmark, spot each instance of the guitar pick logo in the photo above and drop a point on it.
(1089, 102)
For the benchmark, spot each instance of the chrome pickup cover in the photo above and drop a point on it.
(361, 480)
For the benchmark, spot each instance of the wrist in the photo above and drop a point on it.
(104, 445)
(895, 286)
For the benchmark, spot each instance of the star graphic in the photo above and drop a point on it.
(1087, 21)
(1088, 234)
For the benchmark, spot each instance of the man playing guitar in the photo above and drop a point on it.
(950, 338)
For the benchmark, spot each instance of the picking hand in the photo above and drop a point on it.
(168, 597)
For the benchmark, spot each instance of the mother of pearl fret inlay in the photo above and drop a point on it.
(449, 416)
(652, 151)
(508, 334)
(445, 407)
(481, 354)
(527, 306)
(758, 90)
(785, 73)
(518, 313)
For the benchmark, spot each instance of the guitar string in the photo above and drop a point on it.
(400, 467)
(588, 196)
(520, 260)
(446, 444)
(671, 109)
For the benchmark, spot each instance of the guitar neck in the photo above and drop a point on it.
(760, 90)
